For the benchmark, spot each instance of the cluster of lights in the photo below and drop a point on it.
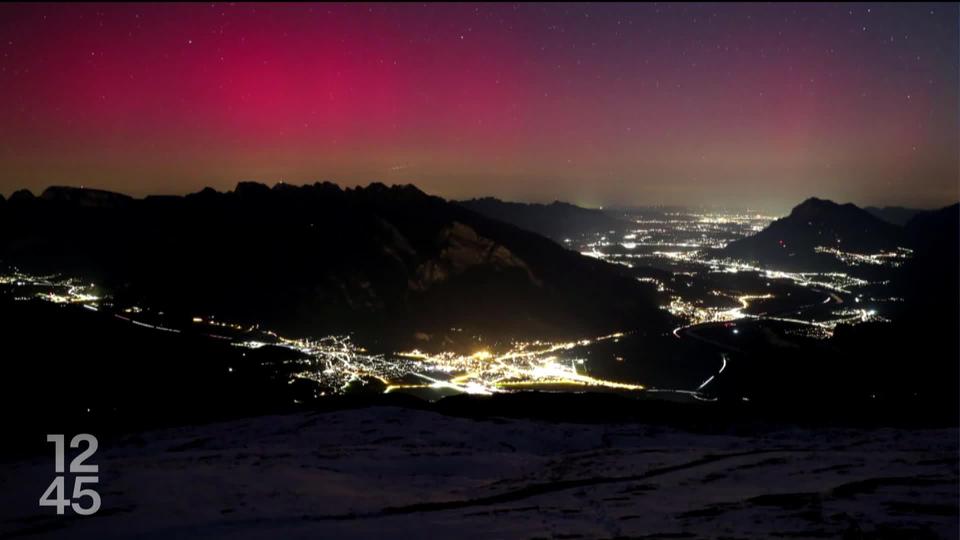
(336, 361)
(696, 314)
(54, 289)
(522, 365)
(661, 287)
(214, 323)
(680, 239)
(668, 231)
(823, 329)
(832, 281)
(886, 258)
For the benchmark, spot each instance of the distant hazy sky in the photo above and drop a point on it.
(751, 105)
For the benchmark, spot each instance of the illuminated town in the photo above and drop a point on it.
(891, 258)
(655, 231)
(681, 242)
(675, 242)
(336, 361)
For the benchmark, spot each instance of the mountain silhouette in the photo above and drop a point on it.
(791, 242)
(935, 230)
(389, 262)
(557, 220)
(931, 279)
(898, 215)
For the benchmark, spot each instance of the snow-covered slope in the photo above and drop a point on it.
(400, 473)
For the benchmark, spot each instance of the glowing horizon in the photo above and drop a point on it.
(593, 104)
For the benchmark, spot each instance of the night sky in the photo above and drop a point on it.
(747, 105)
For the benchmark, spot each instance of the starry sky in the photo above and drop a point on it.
(724, 104)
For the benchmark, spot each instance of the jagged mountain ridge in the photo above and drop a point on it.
(393, 261)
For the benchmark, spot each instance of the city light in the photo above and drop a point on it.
(682, 243)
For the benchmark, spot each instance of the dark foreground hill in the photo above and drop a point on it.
(558, 220)
(931, 280)
(388, 262)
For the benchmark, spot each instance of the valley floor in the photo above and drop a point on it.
(403, 473)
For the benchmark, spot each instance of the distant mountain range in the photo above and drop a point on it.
(557, 220)
(391, 261)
